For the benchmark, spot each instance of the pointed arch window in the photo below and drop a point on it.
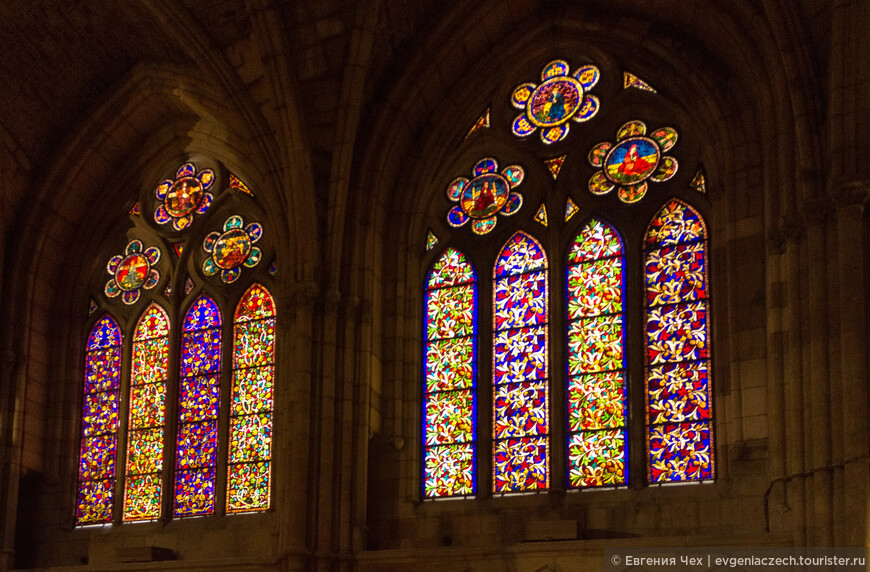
(199, 400)
(249, 477)
(143, 490)
(521, 420)
(679, 405)
(449, 400)
(671, 332)
(597, 404)
(176, 351)
(99, 423)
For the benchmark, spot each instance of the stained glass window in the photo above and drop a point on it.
(450, 360)
(143, 490)
(596, 358)
(250, 442)
(679, 407)
(99, 424)
(521, 422)
(198, 403)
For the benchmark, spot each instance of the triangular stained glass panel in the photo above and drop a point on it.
(135, 210)
(481, 123)
(236, 183)
(188, 286)
(431, 240)
(168, 290)
(179, 248)
(92, 307)
(699, 183)
(273, 269)
(571, 209)
(632, 80)
(555, 165)
(541, 215)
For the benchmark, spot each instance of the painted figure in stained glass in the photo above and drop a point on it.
(232, 249)
(559, 98)
(633, 160)
(486, 195)
(132, 271)
(184, 196)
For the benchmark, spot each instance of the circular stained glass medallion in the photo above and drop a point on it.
(632, 160)
(554, 101)
(184, 196)
(232, 248)
(485, 195)
(132, 272)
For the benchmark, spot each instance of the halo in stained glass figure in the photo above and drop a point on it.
(633, 160)
(183, 197)
(232, 249)
(559, 98)
(486, 195)
(132, 271)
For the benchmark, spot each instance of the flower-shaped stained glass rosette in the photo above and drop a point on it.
(132, 271)
(559, 98)
(184, 197)
(632, 161)
(232, 249)
(487, 194)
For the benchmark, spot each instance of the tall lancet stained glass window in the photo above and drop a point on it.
(198, 403)
(521, 424)
(449, 407)
(679, 406)
(250, 446)
(99, 424)
(143, 490)
(596, 358)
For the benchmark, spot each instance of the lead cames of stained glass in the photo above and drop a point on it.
(559, 98)
(449, 396)
(231, 249)
(132, 272)
(182, 197)
(633, 160)
(680, 452)
(487, 194)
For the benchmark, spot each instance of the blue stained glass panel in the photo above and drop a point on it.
(679, 392)
(521, 423)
